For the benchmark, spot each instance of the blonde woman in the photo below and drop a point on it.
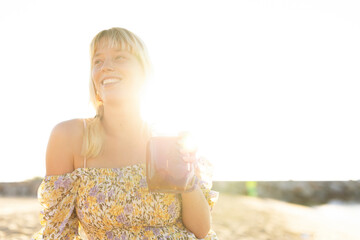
(95, 168)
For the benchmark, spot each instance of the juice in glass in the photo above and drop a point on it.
(166, 171)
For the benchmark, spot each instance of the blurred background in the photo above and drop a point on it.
(270, 89)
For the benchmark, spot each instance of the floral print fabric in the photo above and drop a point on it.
(111, 203)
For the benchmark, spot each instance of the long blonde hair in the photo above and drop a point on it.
(125, 40)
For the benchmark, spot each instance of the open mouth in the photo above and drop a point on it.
(110, 81)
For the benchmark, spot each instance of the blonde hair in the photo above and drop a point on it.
(125, 40)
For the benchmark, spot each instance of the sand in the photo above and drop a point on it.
(248, 218)
(234, 217)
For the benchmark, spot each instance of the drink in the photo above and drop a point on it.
(166, 171)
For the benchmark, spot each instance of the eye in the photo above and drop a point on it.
(97, 61)
(119, 57)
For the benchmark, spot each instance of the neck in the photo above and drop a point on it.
(123, 123)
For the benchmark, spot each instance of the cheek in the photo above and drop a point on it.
(138, 74)
(93, 73)
(94, 77)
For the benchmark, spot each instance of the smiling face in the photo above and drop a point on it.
(117, 74)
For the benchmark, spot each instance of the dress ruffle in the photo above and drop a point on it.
(57, 195)
(111, 203)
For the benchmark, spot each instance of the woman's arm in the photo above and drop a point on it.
(195, 208)
(57, 192)
(60, 150)
(196, 212)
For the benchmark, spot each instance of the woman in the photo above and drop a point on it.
(95, 168)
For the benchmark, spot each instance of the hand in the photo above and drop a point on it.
(187, 147)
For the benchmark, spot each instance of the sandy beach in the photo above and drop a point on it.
(234, 217)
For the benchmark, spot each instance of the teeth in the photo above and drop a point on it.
(110, 80)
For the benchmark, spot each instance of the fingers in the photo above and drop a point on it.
(189, 159)
(187, 146)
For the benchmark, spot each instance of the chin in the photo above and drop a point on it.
(121, 101)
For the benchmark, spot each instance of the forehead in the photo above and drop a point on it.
(106, 50)
(106, 44)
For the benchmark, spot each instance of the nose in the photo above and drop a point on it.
(108, 65)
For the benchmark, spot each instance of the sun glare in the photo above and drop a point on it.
(169, 113)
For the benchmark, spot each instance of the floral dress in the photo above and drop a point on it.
(111, 203)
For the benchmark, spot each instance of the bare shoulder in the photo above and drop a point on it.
(64, 143)
(71, 128)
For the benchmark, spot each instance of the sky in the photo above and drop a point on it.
(270, 89)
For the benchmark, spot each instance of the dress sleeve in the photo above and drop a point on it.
(57, 197)
(204, 173)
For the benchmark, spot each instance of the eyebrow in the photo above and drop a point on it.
(118, 50)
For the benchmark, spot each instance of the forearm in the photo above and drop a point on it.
(196, 212)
